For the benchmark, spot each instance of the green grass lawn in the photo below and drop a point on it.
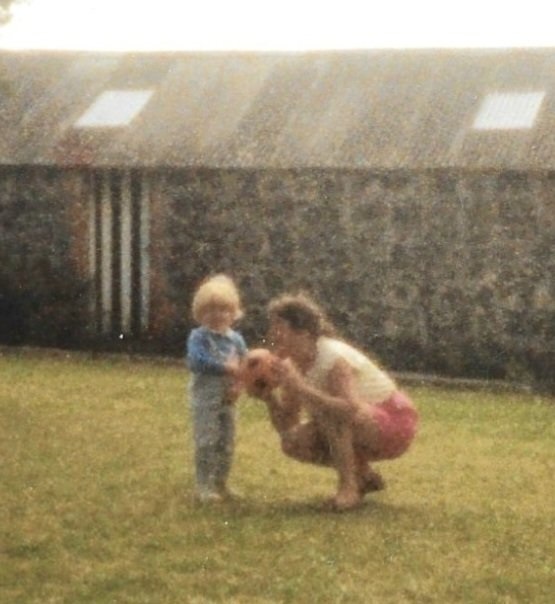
(96, 506)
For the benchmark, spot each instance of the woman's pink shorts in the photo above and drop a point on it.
(397, 421)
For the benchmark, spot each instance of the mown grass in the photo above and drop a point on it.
(96, 506)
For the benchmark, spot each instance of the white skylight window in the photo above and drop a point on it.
(114, 108)
(508, 111)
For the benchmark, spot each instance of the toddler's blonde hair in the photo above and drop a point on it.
(219, 289)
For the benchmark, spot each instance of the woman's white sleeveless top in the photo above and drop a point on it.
(372, 383)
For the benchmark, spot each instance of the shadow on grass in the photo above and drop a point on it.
(309, 508)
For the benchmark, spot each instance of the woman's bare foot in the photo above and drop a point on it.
(370, 482)
(346, 500)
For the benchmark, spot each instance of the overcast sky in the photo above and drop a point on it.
(278, 24)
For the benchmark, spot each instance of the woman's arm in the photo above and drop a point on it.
(283, 408)
(339, 395)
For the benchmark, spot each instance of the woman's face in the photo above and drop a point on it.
(286, 341)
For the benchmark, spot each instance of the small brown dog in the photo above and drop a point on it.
(257, 372)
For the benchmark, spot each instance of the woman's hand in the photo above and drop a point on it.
(289, 375)
(284, 374)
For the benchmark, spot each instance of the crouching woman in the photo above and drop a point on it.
(354, 412)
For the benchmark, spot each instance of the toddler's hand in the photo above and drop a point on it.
(232, 392)
(232, 367)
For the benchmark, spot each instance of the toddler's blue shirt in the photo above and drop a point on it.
(208, 350)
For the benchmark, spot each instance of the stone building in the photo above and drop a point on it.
(413, 193)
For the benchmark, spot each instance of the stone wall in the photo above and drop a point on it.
(438, 271)
(43, 289)
(441, 271)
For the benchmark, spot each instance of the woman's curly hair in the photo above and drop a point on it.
(302, 314)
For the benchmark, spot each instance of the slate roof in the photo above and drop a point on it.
(355, 109)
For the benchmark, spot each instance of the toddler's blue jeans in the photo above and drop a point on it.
(213, 431)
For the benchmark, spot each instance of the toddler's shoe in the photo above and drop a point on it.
(205, 496)
(228, 494)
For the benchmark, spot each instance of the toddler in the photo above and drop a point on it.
(214, 350)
